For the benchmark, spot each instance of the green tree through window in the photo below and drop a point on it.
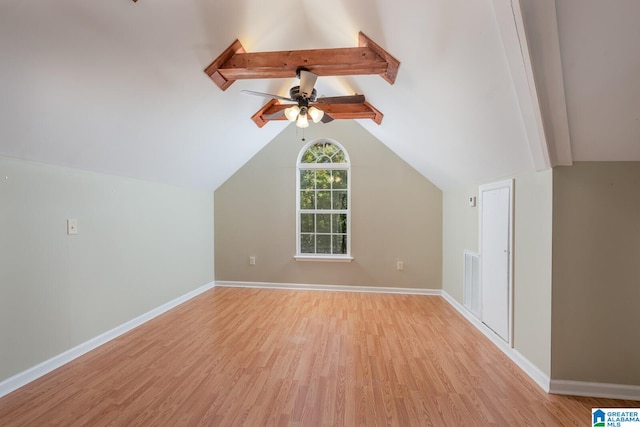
(323, 208)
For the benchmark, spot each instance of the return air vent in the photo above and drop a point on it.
(471, 286)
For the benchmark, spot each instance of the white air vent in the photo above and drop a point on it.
(471, 286)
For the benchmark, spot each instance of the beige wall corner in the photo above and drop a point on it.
(596, 273)
(396, 216)
(532, 267)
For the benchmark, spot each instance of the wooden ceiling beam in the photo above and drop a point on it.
(212, 70)
(393, 64)
(368, 58)
(323, 62)
(337, 111)
(259, 117)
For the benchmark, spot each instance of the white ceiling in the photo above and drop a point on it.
(600, 42)
(118, 87)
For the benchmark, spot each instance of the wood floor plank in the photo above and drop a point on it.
(255, 357)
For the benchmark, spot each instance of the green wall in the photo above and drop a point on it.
(139, 246)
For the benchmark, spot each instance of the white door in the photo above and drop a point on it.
(495, 257)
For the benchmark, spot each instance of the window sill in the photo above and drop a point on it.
(325, 258)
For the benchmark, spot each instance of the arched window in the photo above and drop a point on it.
(323, 201)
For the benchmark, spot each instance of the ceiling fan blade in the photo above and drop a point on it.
(267, 95)
(326, 118)
(307, 81)
(351, 99)
(274, 116)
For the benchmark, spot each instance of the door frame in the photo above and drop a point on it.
(509, 184)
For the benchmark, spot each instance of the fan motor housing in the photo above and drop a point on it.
(295, 93)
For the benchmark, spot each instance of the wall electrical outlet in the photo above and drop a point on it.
(252, 260)
(72, 226)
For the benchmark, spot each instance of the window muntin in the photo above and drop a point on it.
(323, 200)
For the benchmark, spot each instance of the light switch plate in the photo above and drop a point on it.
(72, 226)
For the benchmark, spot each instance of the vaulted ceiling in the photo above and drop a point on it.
(485, 88)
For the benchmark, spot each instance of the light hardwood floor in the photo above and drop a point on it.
(257, 357)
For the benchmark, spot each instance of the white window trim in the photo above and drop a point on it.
(324, 258)
(343, 166)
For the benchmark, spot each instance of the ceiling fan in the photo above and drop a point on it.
(305, 101)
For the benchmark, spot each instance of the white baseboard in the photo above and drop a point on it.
(529, 368)
(571, 388)
(574, 388)
(582, 388)
(334, 288)
(15, 382)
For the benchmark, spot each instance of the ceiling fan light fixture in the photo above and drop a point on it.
(302, 121)
(316, 114)
(292, 112)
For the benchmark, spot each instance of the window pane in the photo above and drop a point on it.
(323, 244)
(308, 157)
(323, 223)
(339, 179)
(306, 179)
(307, 199)
(307, 223)
(317, 150)
(312, 153)
(339, 157)
(324, 199)
(340, 199)
(339, 244)
(324, 152)
(306, 244)
(323, 178)
(339, 224)
(330, 149)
